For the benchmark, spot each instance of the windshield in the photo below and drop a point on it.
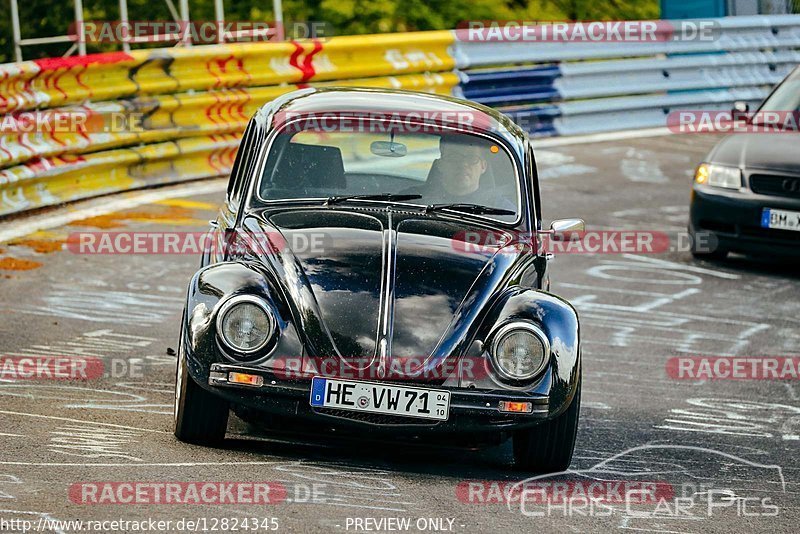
(786, 97)
(441, 168)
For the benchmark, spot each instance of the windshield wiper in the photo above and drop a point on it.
(388, 197)
(477, 209)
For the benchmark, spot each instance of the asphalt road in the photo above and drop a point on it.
(722, 454)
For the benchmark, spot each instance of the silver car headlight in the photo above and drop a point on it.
(718, 176)
(245, 324)
(519, 351)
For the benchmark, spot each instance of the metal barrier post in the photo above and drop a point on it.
(19, 42)
(15, 30)
(79, 25)
(277, 8)
(123, 20)
(219, 15)
(187, 36)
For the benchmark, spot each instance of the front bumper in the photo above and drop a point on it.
(472, 411)
(734, 217)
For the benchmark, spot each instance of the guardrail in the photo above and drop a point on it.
(58, 81)
(195, 102)
(566, 88)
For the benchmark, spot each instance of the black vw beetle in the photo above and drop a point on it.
(379, 264)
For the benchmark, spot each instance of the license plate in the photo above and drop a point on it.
(385, 399)
(780, 219)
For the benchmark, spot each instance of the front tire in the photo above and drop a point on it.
(709, 249)
(548, 447)
(200, 417)
(717, 255)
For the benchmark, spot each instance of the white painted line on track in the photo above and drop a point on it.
(600, 137)
(6, 412)
(166, 464)
(103, 206)
(673, 265)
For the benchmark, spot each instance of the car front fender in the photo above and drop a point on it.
(559, 321)
(209, 288)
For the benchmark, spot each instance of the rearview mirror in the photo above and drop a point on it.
(388, 149)
(564, 229)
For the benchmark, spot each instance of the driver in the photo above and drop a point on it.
(460, 167)
(461, 175)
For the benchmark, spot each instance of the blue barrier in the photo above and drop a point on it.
(499, 87)
(538, 121)
(571, 88)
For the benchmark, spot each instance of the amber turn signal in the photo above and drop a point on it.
(242, 378)
(516, 407)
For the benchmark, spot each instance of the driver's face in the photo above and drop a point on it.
(462, 167)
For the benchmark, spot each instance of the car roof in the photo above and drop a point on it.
(385, 102)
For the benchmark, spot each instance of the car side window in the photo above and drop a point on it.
(533, 184)
(241, 165)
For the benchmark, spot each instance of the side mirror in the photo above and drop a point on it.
(740, 107)
(562, 229)
(741, 112)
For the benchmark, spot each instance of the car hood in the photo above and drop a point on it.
(368, 283)
(776, 151)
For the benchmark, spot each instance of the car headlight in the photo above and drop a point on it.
(718, 176)
(519, 351)
(245, 324)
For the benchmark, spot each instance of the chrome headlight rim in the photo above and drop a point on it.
(240, 299)
(502, 332)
